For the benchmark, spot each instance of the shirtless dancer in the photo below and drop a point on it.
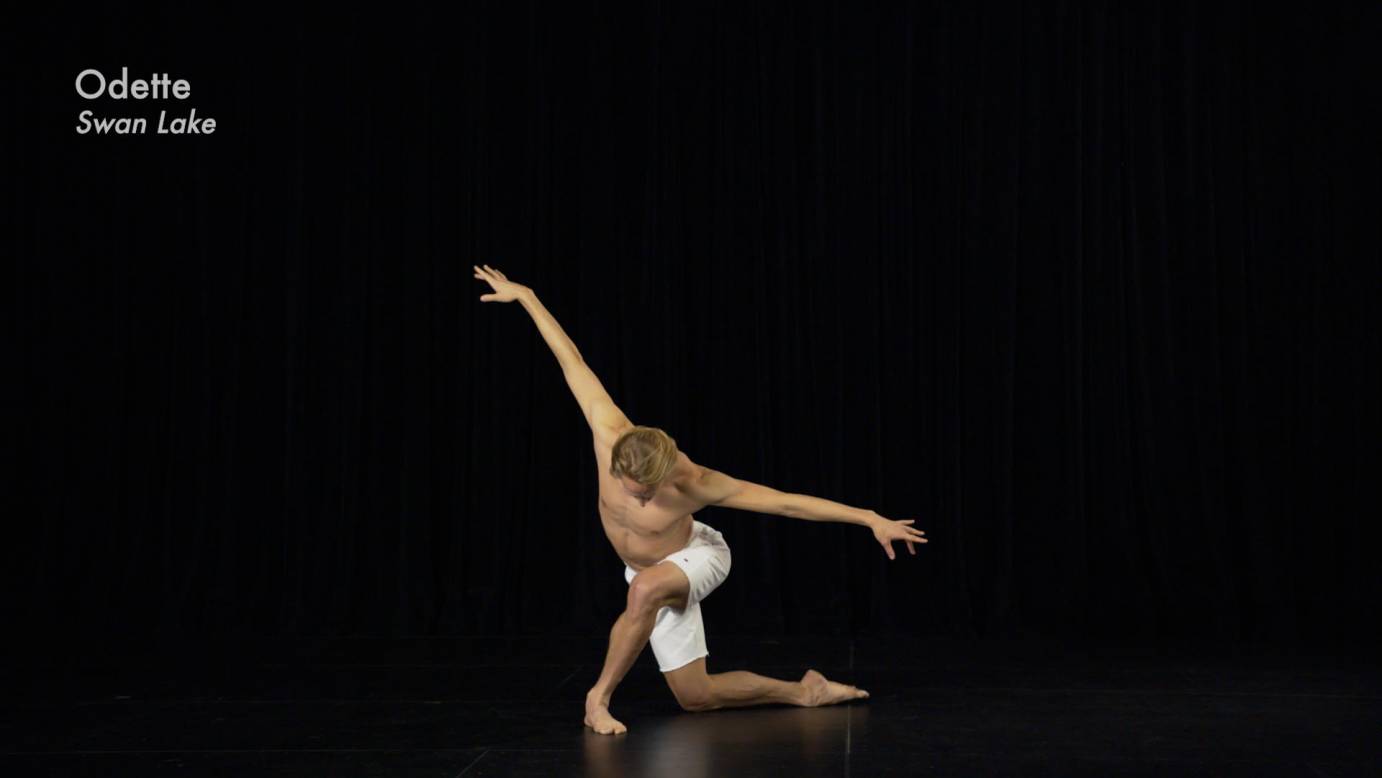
(649, 492)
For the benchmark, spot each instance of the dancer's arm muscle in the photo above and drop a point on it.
(716, 488)
(600, 411)
(562, 346)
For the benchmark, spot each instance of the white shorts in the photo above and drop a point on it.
(678, 635)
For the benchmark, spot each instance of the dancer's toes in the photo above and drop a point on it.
(597, 718)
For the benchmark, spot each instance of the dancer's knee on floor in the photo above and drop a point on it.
(692, 687)
(693, 700)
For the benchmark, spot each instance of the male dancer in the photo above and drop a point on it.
(648, 493)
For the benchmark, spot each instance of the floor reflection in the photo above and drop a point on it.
(726, 742)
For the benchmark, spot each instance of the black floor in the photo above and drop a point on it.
(512, 707)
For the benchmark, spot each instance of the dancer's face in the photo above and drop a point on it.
(638, 490)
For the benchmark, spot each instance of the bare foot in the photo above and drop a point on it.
(820, 691)
(597, 717)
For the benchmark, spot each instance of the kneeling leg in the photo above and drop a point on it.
(697, 690)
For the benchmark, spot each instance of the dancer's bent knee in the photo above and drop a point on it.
(646, 598)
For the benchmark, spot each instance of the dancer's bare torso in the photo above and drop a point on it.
(642, 534)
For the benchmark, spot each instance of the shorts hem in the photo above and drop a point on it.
(683, 664)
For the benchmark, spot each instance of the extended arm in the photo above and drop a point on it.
(716, 488)
(568, 356)
(600, 411)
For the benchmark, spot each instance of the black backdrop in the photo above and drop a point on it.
(1087, 290)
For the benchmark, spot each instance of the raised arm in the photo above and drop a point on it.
(715, 488)
(600, 411)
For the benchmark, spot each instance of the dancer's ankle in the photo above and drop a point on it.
(598, 697)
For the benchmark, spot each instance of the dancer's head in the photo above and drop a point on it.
(641, 458)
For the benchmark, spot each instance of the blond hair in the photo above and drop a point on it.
(645, 454)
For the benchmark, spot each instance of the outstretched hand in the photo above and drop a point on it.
(505, 291)
(885, 531)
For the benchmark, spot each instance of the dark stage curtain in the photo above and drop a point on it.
(1088, 290)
